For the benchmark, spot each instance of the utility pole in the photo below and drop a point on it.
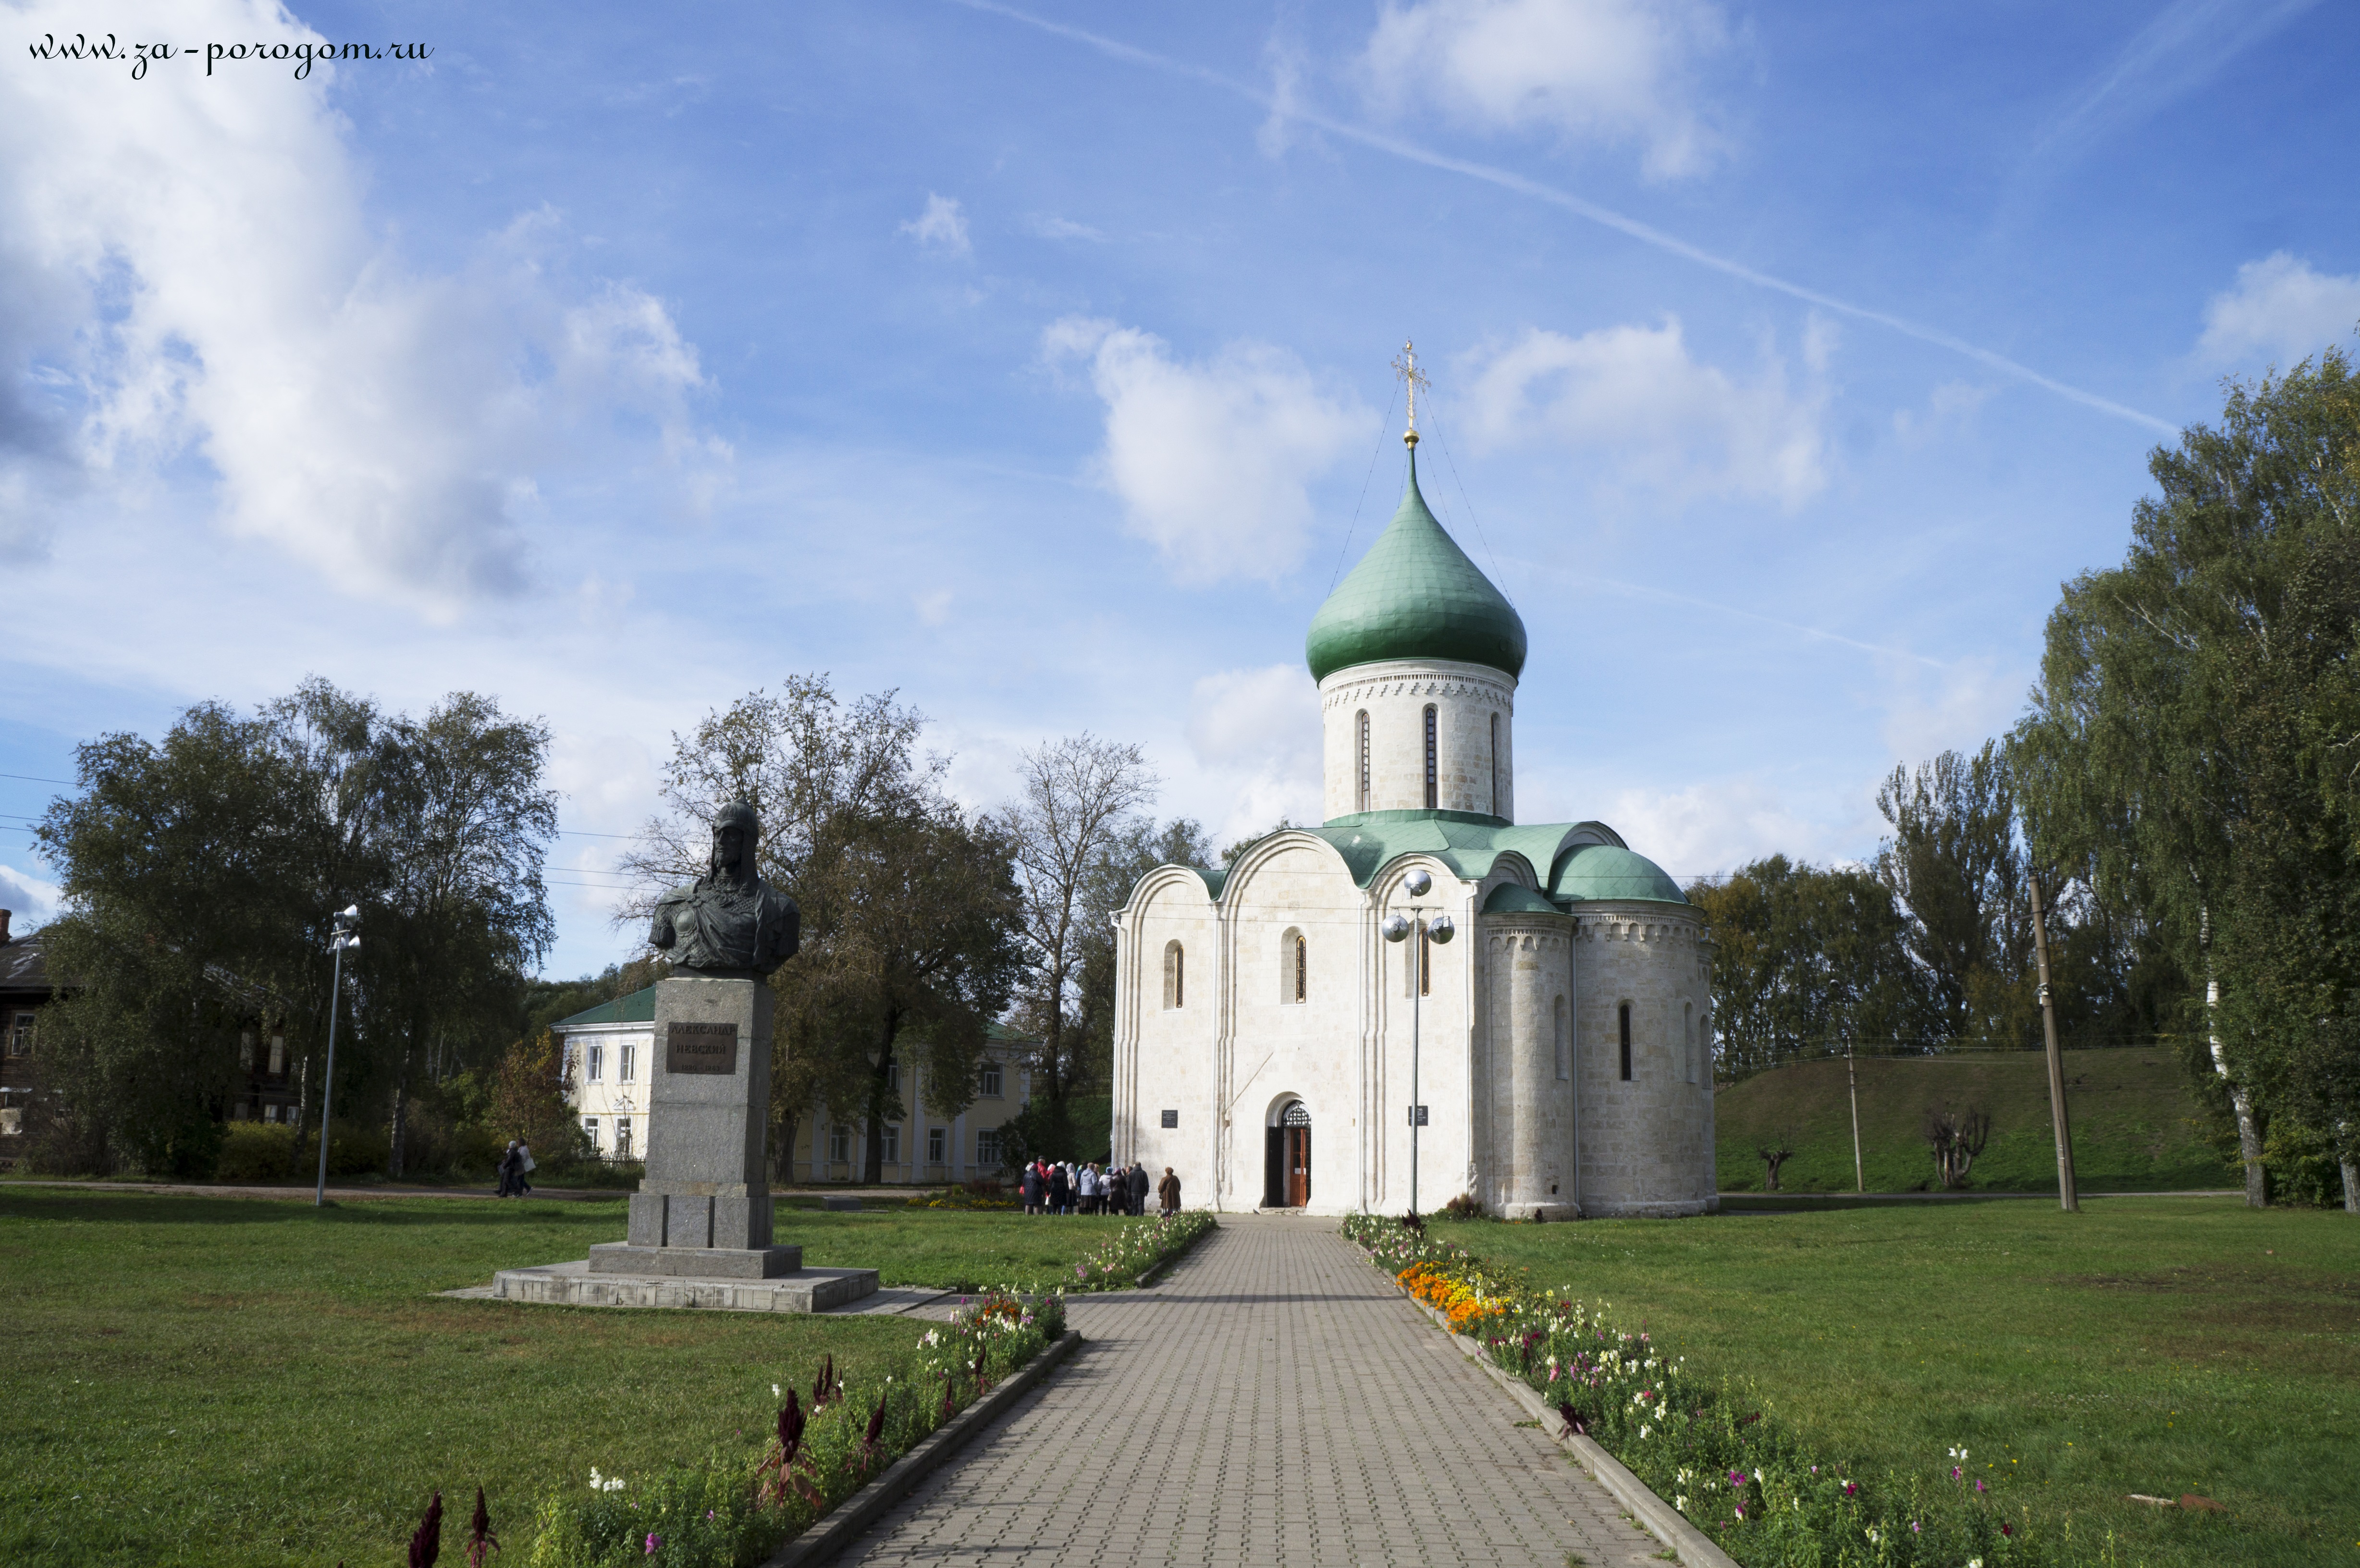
(1852, 1078)
(2068, 1198)
(348, 935)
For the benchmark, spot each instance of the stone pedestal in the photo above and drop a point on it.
(704, 1206)
(700, 1223)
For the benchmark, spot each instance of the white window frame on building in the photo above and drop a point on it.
(595, 1068)
(839, 1143)
(623, 1137)
(590, 1130)
(630, 1064)
(991, 1082)
(937, 1144)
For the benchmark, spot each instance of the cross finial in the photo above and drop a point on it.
(1412, 377)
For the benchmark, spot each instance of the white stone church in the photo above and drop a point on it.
(1263, 1024)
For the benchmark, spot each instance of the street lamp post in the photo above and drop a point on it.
(348, 936)
(1439, 931)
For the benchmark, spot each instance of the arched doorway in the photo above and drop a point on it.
(1286, 1163)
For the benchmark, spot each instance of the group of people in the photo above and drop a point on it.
(1089, 1188)
(515, 1165)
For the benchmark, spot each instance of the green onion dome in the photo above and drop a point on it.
(1416, 595)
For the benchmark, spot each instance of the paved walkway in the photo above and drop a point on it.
(1275, 1400)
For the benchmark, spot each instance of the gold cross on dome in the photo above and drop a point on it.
(1407, 370)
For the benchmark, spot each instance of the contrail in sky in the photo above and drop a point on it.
(1606, 217)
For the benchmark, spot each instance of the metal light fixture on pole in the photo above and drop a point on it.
(1439, 931)
(348, 936)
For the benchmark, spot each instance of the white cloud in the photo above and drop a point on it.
(1717, 826)
(1257, 731)
(30, 901)
(1930, 709)
(1212, 462)
(2183, 46)
(1605, 70)
(188, 270)
(1950, 408)
(1049, 226)
(1667, 421)
(2279, 309)
(942, 227)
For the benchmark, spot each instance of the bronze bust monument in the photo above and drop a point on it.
(728, 924)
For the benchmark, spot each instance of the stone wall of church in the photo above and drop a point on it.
(1527, 1065)
(1646, 1142)
(1164, 1042)
(1394, 694)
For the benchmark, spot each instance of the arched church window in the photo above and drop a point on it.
(1294, 967)
(1689, 1040)
(1302, 956)
(1495, 765)
(1425, 944)
(1432, 777)
(1564, 1056)
(1361, 741)
(1622, 1026)
(1176, 976)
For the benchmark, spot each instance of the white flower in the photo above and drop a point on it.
(1757, 1477)
(1975, 1563)
(1643, 1432)
(774, 1391)
(1681, 1503)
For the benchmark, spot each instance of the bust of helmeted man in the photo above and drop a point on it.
(728, 923)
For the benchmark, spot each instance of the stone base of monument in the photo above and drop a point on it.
(702, 1262)
(582, 1285)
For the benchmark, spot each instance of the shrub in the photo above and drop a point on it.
(255, 1151)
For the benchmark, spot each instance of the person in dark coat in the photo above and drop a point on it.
(1139, 1185)
(1031, 1184)
(1168, 1191)
(1061, 1190)
(510, 1172)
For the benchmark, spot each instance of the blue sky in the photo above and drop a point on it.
(1033, 361)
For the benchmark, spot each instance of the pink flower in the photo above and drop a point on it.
(654, 1540)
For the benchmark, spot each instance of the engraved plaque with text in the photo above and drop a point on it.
(700, 1047)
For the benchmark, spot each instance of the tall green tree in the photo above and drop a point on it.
(1955, 866)
(1078, 795)
(2193, 744)
(912, 918)
(1807, 961)
(200, 874)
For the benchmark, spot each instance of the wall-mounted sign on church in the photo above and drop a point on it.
(1263, 1044)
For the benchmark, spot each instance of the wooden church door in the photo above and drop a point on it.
(1298, 1166)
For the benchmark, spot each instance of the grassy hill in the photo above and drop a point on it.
(2136, 1127)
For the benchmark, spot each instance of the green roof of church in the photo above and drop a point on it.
(1593, 867)
(1416, 595)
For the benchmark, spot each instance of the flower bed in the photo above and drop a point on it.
(721, 1513)
(1708, 1448)
(1138, 1246)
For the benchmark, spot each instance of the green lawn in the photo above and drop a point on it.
(201, 1380)
(2148, 1344)
(2137, 1128)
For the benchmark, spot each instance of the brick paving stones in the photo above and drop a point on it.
(1273, 1401)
